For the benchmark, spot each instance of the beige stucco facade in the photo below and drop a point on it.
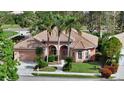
(82, 47)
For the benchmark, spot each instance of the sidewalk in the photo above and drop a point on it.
(67, 73)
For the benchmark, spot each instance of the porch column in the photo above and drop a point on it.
(46, 51)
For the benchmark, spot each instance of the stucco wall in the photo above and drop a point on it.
(91, 55)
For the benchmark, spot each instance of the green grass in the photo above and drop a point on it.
(6, 26)
(49, 69)
(8, 34)
(64, 75)
(85, 67)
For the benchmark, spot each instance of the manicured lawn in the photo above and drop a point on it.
(7, 34)
(64, 75)
(85, 67)
(49, 69)
(6, 26)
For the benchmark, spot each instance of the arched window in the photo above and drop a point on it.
(52, 50)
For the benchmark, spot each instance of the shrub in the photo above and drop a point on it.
(40, 63)
(69, 60)
(111, 48)
(112, 68)
(105, 72)
(39, 51)
(51, 58)
(68, 65)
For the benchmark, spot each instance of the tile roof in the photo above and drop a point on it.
(53, 37)
(83, 41)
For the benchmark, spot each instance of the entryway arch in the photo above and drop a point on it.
(63, 51)
(52, 50)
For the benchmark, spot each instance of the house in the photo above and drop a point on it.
(20, 31)
(82, 47)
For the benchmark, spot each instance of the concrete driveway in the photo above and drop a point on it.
(26, 68)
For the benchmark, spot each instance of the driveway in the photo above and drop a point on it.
(26, 68)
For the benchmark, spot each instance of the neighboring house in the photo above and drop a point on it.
(20, 31)
(83, 46)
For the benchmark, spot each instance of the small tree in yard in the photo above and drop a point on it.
(111, 48)
(68, 65)
(40, 62)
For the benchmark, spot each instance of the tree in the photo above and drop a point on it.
(26, 19)
(111, 48)
(59, 23)
(8, 69)
(91, 21)
(6, 18)
(71, 21)
(120, 20)
(46, 23)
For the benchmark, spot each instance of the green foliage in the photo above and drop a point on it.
(69, 60)
(2, 72)
(39, 51)
(26, 19)
(68, 65)
(111, 48)
(41, 63)
(48, 69)
(8, 70)
(120, 21)
(6, 18)
(51, 58)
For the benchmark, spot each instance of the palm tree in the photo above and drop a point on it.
(59, 23)
(47, 23)
(71, 21)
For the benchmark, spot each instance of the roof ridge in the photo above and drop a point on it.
(82, 44)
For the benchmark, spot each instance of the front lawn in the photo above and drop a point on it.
(64, 75)
(48, 69)
(90, 67)
(6, 26)
(8, 34)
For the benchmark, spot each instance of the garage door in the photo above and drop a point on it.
(27, 55)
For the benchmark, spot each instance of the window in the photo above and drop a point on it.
(53, 50)
(79, 54)
(87, 54)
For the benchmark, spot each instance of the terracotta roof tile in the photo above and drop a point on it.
(53, 37)
(83, 41)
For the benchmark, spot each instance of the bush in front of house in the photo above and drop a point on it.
(68, 65)
(40, 63)
(113, 68)
(51, 58)
(105, 72)
(39, 51)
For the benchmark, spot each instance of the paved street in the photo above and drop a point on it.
(44, 78)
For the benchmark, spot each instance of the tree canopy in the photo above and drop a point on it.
(112, 47)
